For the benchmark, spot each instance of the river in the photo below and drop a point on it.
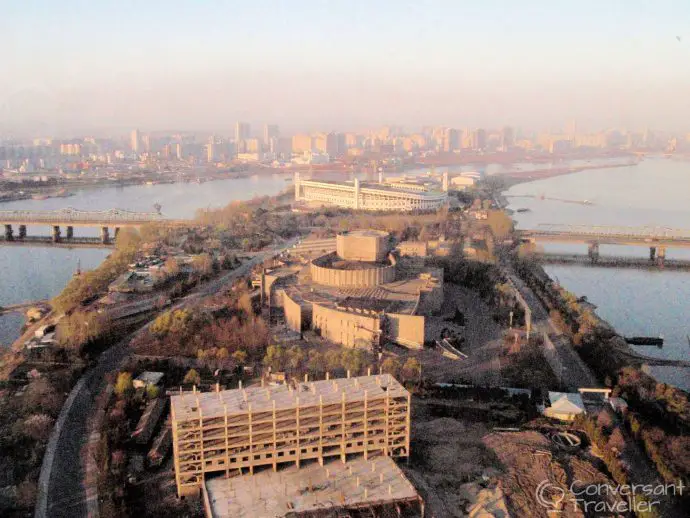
(647, 302)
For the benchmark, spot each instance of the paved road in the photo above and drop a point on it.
(574, 372)
(65, 494)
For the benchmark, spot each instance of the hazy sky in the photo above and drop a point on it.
(93, 66)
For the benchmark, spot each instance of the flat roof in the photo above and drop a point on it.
(238, 401)
(311, 487)
(365, 233)
(566, 402)
(152, 377)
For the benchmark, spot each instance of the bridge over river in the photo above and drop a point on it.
(70, 218)
(658, 239)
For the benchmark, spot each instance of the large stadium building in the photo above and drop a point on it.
(382, 196)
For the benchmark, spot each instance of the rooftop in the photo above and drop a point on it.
(240, 401)
(365, 233)
(311, 488)
(150, 377)
(566, 402)
(382, 187)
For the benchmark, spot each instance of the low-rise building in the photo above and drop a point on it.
(148, 379)
(564, 406)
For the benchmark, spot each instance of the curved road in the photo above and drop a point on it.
(61, 492)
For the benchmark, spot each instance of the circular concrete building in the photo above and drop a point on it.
(362, 259)
(363, 245)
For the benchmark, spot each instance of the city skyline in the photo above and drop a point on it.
(341, 66)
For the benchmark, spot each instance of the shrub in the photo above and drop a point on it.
(38, 426)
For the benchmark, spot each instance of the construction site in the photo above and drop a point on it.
(295, 449)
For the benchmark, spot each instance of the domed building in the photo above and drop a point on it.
(361, 295)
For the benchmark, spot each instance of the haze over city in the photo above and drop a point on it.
(74, 68)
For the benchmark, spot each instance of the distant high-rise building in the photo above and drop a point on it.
(281, 147)
(301, 143)
(352, 140)
(451, 140)
(507, 138)
(326, 143)
(73, 149)
(146, 142)
(211, 149)
(571, 130)
(242, 131)
(479, 139)
(178, 151)
(342, 147)
(270, 131)
(252, 145)
(135, 139)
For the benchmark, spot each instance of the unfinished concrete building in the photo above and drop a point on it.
(359, 488)
(232, 432)
(358, 296)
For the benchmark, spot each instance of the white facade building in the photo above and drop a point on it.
(368, 196)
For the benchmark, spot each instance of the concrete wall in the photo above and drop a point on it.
(413, 248)
(271, 285)
(364, 245)
(346, 328)
(350, 278)
(407, 330)
(293, 313)
(430, 300)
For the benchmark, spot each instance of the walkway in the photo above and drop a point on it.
(574, 373)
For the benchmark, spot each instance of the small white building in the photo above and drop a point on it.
(460, 183)
(148, 378)
(565, 406)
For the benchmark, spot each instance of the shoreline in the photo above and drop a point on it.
(66, 187)
(620, 349)
(70, 187)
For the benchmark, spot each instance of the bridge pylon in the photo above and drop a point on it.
(593, 252)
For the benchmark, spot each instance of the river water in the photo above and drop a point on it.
(637, 302)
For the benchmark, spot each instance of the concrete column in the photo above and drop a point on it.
(70, 232)
(593, 252)
(105, 236)
(652, 253)
(9, 233)
(661, 256)
(22, 231)
(56, 234)
(356, 193)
